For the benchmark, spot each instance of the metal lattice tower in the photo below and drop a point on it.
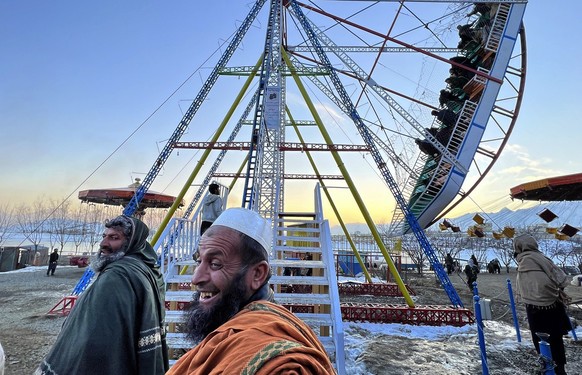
(263, 188)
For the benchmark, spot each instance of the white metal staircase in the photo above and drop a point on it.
(498, 27)
(308, 288)
(178, 296)
(304, 278)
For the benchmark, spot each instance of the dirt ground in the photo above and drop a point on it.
(27, 332)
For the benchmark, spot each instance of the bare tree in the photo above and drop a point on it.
(6, 223)
(439, 243)
(476, 246)
(154, 217)
(31, 222)
(413, 249)
(82, 225)
(96, 216)
(563, 252)
(447, 243)
(549, 246)
(576, 256)
(62, 227)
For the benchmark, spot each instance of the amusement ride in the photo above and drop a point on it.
(424, 94)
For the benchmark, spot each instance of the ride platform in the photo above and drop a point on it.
(345, 288)
(432, 315)
(356, 289)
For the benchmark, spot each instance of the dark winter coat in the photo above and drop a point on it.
(116, 326)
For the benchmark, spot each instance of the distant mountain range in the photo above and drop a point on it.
(567, 213)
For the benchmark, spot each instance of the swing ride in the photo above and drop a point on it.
(551, 189)
(122, 196)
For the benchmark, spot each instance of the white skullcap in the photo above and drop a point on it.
(249, 223)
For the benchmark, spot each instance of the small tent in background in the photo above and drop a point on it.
(16, 257)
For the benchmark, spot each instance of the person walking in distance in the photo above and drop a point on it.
(211, 207)
(52, 266)
(471, 275)
(474, 263)
(449, 263)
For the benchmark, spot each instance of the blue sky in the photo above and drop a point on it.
(77, 78)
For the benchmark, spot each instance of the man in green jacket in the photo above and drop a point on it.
(116, 326)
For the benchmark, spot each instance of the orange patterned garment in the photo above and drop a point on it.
(263, 338)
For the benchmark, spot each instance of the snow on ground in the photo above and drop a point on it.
(404, 349)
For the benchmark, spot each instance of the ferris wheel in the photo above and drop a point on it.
(430, 89)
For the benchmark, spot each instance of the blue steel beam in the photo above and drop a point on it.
(381, 164)
(183, 125)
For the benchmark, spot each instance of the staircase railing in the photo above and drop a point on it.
(177, 242)
(327, 253)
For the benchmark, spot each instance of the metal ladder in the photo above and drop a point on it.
(304, 278)
(499, 22)
(177, 245)
(178, 295)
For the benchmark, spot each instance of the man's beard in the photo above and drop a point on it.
(101, 261)
(201, 321)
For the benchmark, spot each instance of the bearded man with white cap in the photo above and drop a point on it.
(238, 327)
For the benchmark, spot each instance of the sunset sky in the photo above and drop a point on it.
(77, 78)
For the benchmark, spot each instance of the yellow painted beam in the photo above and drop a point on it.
(205, 155)
(350, 183)
(331, 202)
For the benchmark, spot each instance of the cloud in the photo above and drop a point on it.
(517, 162)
